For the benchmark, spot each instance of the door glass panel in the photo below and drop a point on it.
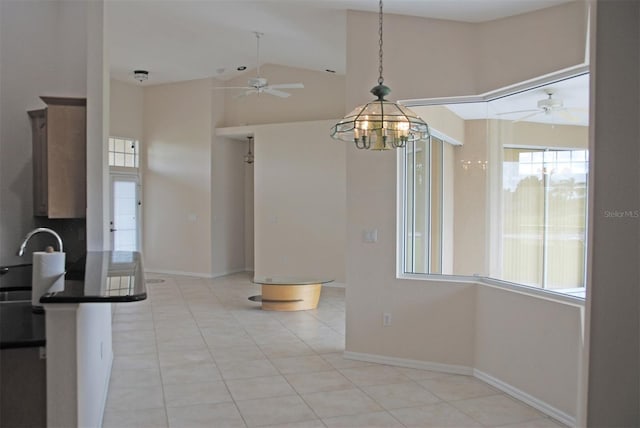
(125, 209)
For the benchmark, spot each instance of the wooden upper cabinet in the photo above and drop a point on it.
(60, 158)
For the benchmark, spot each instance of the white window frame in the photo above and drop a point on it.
(401, 214)
(546, 294)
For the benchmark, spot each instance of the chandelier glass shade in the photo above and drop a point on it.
(381, 124)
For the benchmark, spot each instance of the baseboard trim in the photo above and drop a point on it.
(413, 364)
(103, 403)
(179, 272)
(195, 274)
(335, 284)
(229, 272)
(534, 402)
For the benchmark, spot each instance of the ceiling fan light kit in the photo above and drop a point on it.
(381, 124)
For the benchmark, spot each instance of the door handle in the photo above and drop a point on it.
(112, 230)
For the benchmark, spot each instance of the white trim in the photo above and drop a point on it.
(412, 364)
(445, 138)
(518, 394)
(567, 73)
(228, 272)
(196, 274)
(179, 272)
(335, 284)
(103, 404)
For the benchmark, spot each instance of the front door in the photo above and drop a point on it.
(125, 213)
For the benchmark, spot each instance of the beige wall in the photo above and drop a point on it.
(43, 49)
(529, 343)
(613, 293)
(321, 98)
(442, 70)
(300, 198)
(527, 46)
(177, 177)
(227, 206)
(126, 110)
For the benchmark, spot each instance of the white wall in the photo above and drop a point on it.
(441, 314)
(43, 51)
(177, 177)
(300, 201)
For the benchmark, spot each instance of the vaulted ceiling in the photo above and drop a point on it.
(179, 40)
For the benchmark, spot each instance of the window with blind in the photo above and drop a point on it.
(544, 217)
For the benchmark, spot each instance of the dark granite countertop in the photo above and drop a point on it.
(100, 277)
(20, 327)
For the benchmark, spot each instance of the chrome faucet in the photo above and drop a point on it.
(38, 230)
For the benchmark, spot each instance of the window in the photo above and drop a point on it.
(422, 183)
(123, 152)
(508, 202)
(544, 217)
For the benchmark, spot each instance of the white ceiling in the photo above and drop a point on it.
(178, 40)
(572, 92)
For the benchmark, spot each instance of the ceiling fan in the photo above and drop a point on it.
(259, 85)
(548, 106)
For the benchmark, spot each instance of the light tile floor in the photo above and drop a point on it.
(197, 353)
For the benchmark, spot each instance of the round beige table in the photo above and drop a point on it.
(289, 293)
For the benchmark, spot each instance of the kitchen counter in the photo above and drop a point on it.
(100, 277)
(20, 327)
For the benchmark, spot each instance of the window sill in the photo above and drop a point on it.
(572, 296)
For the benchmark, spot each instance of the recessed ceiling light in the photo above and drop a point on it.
(329, 70)
(241, 68)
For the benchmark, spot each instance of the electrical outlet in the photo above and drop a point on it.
(386, 319)
(370, 235)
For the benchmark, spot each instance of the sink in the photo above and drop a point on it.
(15, 296)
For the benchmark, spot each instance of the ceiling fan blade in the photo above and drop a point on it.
(232, 87)
(523, 118)
(277, 93)
(287, 86)
(518, 111)
(245, 93)
(568, 116)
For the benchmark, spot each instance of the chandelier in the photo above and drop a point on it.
(381, 124)
(248, 158)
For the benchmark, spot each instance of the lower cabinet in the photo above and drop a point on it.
(23, 390)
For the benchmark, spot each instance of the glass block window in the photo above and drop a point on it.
(123, 152)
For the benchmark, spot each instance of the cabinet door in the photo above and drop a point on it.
(66, 160)
(39, 147)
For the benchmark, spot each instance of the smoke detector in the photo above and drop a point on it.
(140, 75)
